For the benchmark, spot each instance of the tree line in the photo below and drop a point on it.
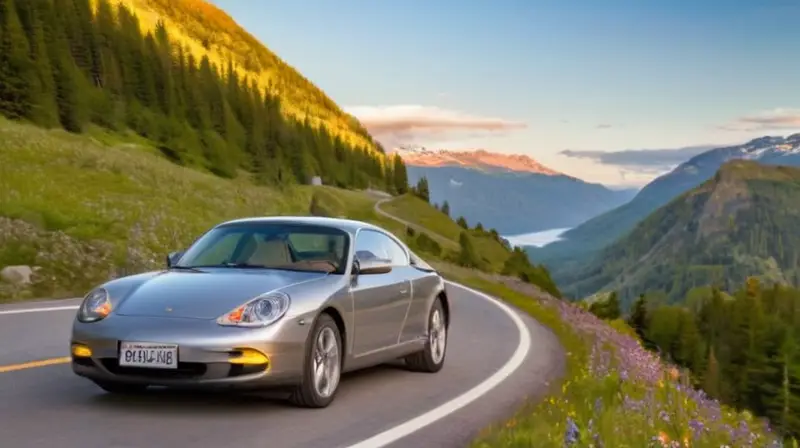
(741, 348)
(66, 64)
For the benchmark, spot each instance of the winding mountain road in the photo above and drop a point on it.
(496, 357)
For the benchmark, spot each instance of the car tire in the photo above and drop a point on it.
(431, 359)
(310, 394)
(121, 388)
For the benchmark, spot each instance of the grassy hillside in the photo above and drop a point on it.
(740, 223)
(84, 208)
(205, 30)
(415, 210)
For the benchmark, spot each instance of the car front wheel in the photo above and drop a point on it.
(323, 366)
(431, 359)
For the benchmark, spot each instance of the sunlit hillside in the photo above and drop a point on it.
(204, 29)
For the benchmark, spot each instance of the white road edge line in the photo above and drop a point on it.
(398, 432)
(40, 310)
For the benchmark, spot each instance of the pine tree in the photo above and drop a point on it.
(638, 317)
(711, 376)
(16, 66)
(44, 110)
(400, 175)
(467, 256)
(445, 208)
(421, 189)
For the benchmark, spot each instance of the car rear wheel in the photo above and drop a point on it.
(431, 359)
(121, 388)
(323, 366)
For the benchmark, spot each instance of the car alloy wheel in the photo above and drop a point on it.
(437, 336)
(327, 363)
(323, 365)
(431, 358)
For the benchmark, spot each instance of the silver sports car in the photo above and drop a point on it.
(266, 303)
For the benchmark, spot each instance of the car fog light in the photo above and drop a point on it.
(81, 351)
(248, 356)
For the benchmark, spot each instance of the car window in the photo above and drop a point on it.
(220, 251)
(305, 243)
(371, 244)
(271, 245)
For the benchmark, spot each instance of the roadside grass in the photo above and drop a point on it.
(614, 393)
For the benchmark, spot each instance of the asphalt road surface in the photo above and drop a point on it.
(496, 357)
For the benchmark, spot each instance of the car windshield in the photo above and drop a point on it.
(296, 247)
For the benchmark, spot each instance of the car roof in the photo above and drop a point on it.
(348, 225)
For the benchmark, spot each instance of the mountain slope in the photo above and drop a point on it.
(742, 222)
(580, 242)
(513, 194)
(95, 67)
(205, 30)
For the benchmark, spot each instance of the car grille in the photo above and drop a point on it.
(185, 370)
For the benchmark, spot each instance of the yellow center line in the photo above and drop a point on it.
(34, 364)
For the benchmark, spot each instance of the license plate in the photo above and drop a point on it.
(145, 354)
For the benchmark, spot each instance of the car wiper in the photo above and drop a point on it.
(243, 265)
(185, 268)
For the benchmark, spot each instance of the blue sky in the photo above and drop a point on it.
(541, 77)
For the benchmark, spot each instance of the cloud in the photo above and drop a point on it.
(411, 123)
(771, 120)
(648, 160)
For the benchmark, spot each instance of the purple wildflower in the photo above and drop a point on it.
(572, 434)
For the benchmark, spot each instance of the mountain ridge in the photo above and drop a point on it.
(580, 242)
(738, 223)
(480, 159)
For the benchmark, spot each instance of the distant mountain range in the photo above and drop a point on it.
(742, 222)
(478, 159)
(514, 194)
(582, 242)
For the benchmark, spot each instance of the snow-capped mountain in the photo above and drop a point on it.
(478, 159)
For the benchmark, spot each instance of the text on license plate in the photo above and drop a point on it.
(145, 354)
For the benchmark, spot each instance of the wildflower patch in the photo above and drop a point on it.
(615, 393)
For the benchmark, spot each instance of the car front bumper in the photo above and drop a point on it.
(205, 351)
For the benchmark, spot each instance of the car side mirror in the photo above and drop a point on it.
(173, 258)
(374, 266)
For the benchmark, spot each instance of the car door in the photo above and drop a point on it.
(380, 301)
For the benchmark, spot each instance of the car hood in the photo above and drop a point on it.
(207, 294)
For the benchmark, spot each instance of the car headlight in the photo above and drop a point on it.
(96, 306)
(258, 312)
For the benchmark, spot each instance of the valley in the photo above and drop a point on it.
(508, 193)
